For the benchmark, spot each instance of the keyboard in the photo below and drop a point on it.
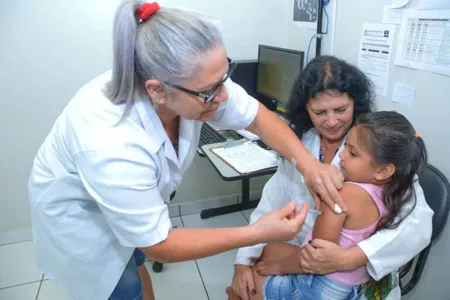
(209, 135)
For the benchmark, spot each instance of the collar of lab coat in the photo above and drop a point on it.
(185, 139)
(311, 140)
(154, 128)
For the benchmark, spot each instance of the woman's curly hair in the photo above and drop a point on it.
(330, 75)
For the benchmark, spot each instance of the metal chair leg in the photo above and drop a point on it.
(158, 266)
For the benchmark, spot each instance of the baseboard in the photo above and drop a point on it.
(16, 236)
(197, 206)
(254, 195)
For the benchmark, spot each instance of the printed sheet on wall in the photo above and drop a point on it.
(424, 41)
(374, 57)
(305, 13)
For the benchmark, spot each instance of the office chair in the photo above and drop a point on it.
(437, 194)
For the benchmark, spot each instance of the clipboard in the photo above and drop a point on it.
(247, 157)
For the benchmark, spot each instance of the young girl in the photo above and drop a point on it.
(382, 156)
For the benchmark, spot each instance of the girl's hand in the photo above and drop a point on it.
(323, 257)
(243, 282)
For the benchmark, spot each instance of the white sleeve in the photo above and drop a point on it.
(239, 111)
(274, 196)
(389, 249)
(123, 182)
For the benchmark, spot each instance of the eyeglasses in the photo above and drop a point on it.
(207, 97)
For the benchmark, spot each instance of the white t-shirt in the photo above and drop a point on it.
(386, 250)
(97, 190)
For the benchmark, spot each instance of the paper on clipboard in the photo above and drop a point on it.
(247, 157)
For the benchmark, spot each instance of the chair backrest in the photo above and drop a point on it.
(437, 194)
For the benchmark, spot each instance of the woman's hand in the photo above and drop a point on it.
(280, 225)
(323, 257)
(323, 182)
(243, 282)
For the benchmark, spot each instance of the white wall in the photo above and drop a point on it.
(49, 49)
(244, 24)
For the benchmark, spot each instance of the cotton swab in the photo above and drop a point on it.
(294, 188)
(315, 211)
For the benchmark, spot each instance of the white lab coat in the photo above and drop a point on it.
(97, 191)
(387, 250)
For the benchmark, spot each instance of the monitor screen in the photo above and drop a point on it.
(277, 70)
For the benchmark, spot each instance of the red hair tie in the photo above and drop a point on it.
(146, 10)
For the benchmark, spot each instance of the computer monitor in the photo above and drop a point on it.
(276, 73)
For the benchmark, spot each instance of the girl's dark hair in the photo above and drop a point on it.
(330, 75)
(391, 139)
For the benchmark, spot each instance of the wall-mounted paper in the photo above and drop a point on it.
(374, 57)
(433, 4)
(392, 15)
(404, 94)
(399, 3)
(424, 41)
(305, 13)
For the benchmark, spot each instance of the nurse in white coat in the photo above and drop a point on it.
(327, 97)
(101, 180)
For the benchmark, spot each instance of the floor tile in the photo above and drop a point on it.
(184, 276)
(178, 281)
(50, 291)
(217, 273)
(22, 292)
(217, 270)
(247, 213)
(18, 264)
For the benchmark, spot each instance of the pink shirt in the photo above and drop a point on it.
(350, 238)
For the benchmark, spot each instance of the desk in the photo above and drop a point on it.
(227, 173)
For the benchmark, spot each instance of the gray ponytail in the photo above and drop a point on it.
(166, 47)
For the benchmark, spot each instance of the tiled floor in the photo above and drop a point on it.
(201, 279)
